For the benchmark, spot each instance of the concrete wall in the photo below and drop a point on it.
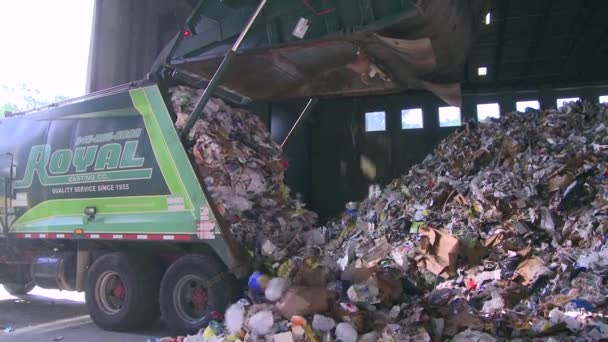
(127, 36)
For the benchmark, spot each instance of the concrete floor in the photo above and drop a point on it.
(50, 315)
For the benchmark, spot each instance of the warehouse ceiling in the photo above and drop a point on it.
(543, 43)
(527, 45)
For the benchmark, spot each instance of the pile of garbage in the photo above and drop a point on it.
(243, 171)
(500, 234)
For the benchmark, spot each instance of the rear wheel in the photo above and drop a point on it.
(192, 289)
(122, 291)
(19, 288)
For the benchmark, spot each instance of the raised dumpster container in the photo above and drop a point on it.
(321, 48)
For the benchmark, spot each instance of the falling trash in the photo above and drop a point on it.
(368, 167)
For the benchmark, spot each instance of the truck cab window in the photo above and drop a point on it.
(6, 162)
(3, 203)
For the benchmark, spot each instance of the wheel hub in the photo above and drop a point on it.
(110, 293)
(119, 291)
(199, 297)
(191, 299)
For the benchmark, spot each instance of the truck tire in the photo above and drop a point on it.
(122, 291)
(192, 289)
(17, 289)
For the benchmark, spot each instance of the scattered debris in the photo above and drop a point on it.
(500, 234)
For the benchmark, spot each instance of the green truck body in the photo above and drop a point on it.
(118, 155)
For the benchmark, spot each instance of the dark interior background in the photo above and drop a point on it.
(325, 151)
(533, 50)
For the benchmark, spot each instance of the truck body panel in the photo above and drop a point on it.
(119, 154)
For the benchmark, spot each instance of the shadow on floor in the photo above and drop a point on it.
(58, 315)
(29, 310)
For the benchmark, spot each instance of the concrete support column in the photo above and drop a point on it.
(127, 36)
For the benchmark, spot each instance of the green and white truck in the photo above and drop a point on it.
(98, 194)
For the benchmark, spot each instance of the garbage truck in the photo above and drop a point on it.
(98, 193)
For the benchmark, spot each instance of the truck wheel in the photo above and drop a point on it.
(190, 291)
(17, 289)
(122, 291)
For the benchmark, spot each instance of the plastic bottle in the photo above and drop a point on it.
(351, 208)
(346, 333)
(257, 284)
(275, 288)
(261, 322)
(235, 315)
(254, 281)
(212, 330)
(322, 323)
(394, 313)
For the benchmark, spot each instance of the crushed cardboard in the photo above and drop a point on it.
(440, 251)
